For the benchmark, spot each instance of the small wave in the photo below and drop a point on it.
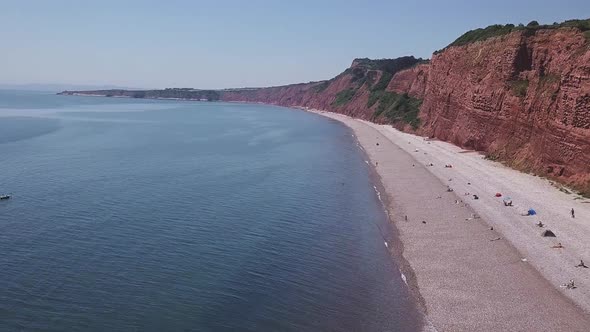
(378, 194)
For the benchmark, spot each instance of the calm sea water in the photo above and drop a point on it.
(162, 215)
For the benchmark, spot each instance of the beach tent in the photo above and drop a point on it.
(531, 212)
(548, 233)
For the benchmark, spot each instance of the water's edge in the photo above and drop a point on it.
(395, 245)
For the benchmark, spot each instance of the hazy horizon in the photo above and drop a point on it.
(210, 46)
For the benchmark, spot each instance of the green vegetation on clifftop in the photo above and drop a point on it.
(497, 30)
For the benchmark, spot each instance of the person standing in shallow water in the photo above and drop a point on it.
(573, 213)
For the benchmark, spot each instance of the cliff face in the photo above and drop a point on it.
(522, 98)
(412, 81)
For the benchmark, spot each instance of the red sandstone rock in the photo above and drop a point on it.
(469, 101)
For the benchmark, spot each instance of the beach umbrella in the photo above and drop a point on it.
(507, 198)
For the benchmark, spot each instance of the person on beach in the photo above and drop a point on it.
(573, 213)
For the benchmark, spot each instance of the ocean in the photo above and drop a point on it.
(153, 215)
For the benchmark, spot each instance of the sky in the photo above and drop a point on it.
(228, 44)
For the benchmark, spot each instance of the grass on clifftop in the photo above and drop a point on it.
(497, 30)
(396, 107)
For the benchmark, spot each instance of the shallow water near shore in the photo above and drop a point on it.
(168, 215)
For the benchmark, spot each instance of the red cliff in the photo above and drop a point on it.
(522, 98)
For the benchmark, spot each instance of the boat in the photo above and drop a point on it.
(6, 196)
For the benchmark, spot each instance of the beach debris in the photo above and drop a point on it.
(573, 213)
(456, 201)
(467, 194)
(377, 144)
(448, 166)
(475, 197)
(449, 189)
(416, 150)
(491, 228)
(438, 197)
(423, 221)
(386, 245)
(524, 259)
(450, 179)
(431, 164)
(406, 217)
(540, 224)
(376, 163)
(558, 246)
(548, 233)
(569, 285)
(498, 195)
(582, 264)
(475, 216)
(496, 239)
(469, 183)
(413, 165)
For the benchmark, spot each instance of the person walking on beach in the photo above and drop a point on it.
(573, 213)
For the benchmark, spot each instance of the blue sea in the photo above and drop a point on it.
(152, 215)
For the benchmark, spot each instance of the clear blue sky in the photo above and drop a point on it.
(217, 44)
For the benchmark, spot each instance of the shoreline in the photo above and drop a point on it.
(395, 246)
(463, 275)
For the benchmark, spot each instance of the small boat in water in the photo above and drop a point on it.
(6, 196)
